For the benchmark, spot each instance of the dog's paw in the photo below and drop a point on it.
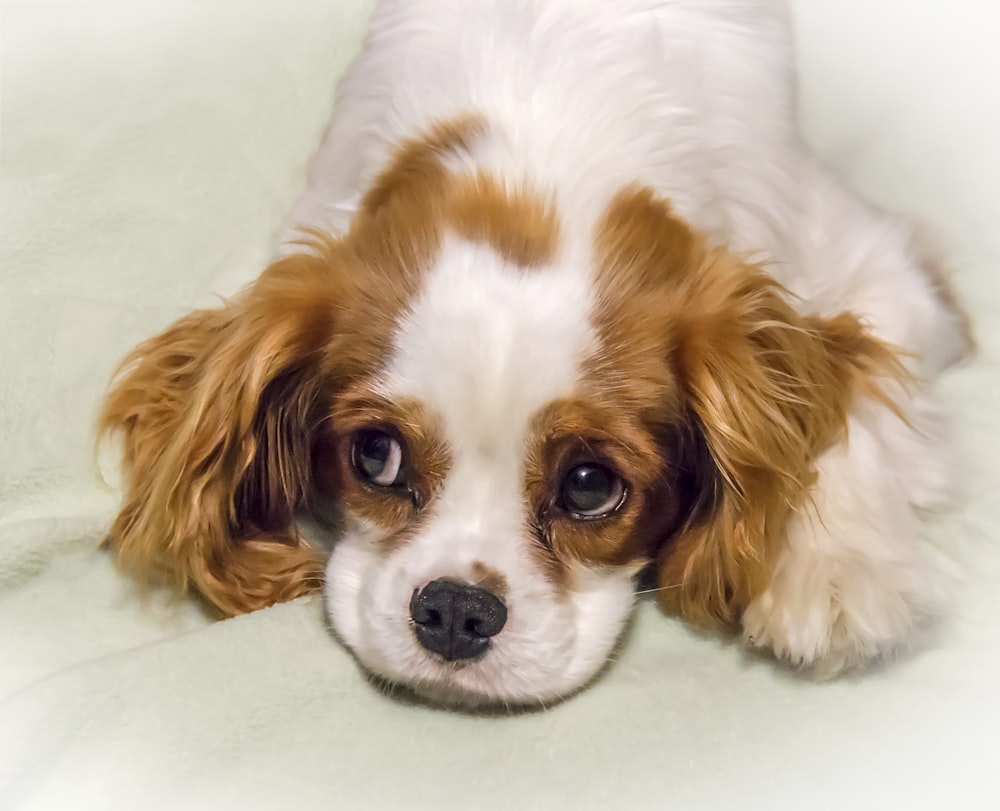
(821, 642)
(830, 625)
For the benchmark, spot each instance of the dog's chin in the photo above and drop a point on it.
(456, 697)
(447, 693)
(466, 686)
(470, 687)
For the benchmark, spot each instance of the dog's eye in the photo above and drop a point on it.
(378, 458)
(591, 491)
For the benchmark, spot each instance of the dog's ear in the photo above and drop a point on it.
(217, 415)
(758, 391)
(768, 390)
(221, 414)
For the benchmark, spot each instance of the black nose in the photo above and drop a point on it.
(454, 620)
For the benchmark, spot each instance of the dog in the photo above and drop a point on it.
(567, 304)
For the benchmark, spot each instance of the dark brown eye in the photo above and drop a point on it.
(377, 458)
(591, 491)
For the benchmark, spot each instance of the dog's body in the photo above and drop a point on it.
(553, 232)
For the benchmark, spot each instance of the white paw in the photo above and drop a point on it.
(829, 616)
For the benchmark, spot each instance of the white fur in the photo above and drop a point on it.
(694, 98)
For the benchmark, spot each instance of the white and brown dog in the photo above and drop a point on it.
(566, 299)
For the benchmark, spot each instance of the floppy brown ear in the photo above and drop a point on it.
(769, 390)
(757, 390)
(217, 415)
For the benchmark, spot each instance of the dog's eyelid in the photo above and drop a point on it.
(572, 460)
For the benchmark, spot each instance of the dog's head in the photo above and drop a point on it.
(510, 419)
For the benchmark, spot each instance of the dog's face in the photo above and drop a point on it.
(499, 495)
(510, 418)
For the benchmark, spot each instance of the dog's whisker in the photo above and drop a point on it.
(661, 588)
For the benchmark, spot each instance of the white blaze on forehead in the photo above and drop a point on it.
(484, 347)
(488, 343)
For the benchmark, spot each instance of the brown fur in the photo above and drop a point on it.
(768, 390)
(225, 416)
(216, 415)
(519, 225)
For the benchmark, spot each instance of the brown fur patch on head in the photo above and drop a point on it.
(417, 171)
(697, 338)
(518, 224)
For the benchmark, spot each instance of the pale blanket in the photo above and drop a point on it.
(149, 150)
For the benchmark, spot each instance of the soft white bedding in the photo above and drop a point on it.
(149, 150)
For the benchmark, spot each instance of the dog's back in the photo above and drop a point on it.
(691, 98)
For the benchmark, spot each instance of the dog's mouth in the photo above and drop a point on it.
(458, 683)
(456, 666)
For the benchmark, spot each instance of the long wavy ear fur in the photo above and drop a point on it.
(770, 390)
(220, 413)
(216, 416)
(759, 389)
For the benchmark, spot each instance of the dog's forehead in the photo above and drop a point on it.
(487, 343)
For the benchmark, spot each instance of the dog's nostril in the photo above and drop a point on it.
(456, 621)
(423, 613)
